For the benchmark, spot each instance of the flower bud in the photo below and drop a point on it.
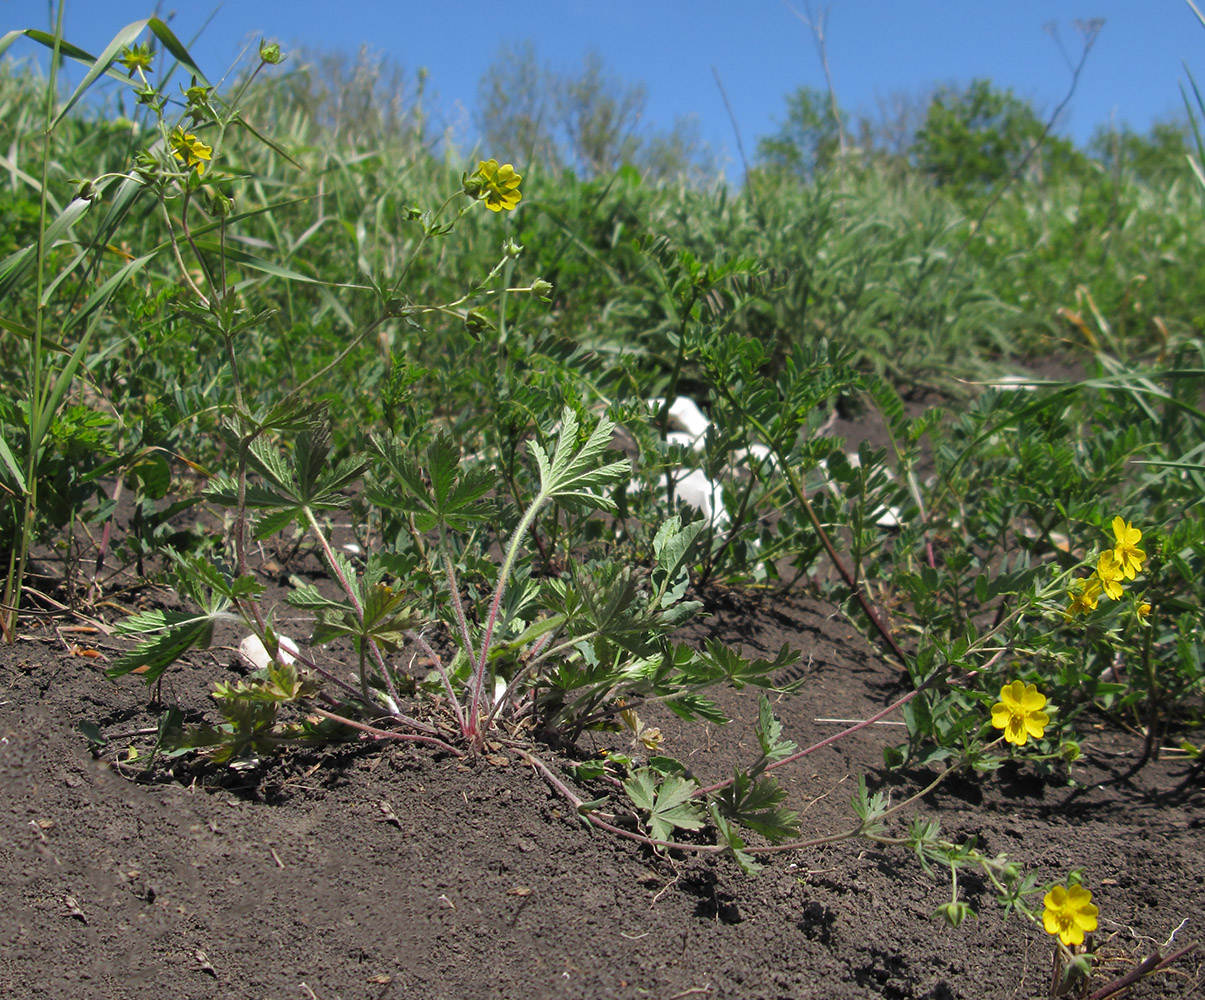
(269, 52)
(954, 912)
(220, 205)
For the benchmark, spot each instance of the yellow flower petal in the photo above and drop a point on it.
(498, 186)
(1125, 550)
(1034, 700)
(1069, 913)
(1018, 713)
(1036, 724)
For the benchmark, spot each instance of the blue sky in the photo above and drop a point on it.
(760, 49)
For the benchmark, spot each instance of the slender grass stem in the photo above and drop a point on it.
(35, 404)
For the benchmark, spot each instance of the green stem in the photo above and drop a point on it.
(801, 495)
(462, 623)
(1152, 694)
(508, 563)
(16, 575)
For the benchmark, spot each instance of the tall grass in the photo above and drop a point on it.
(869, 256)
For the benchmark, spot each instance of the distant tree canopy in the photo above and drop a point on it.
(965, 141)
(807, 141)
(1158, 156)
(588, 120)
(974, 138)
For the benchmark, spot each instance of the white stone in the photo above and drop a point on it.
(254, 652)
(685, 414)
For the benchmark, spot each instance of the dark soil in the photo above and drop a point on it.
(384, 870)
(377, 870)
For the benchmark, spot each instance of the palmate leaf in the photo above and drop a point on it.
(694, 706)
(570, 477)
(293, 489)
(279, 683)
(672, 546)
(668, 802)
(755, 803)
(204, 582)
(385, 616)
(607, 604)
(717, 664)
(308, 598)
(307, 481)
(665, 677)
(454, 499)
(174, 634)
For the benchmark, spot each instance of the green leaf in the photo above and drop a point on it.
(308, 598)
(47, 39)
(718, 663)
(12, 326)
(102, 62)
(178, 632)
(669, 803)
(173, 45)
(571, 477)
(453, 499)
(218, 582)
(14, 468)
(386, 618)
(693, 706)
(587, 770)
(672, 546)
(733, 841)
(769, 734)
(869, 807)
(237, 256)
(92, 733)
(756, 804)
(293, 489)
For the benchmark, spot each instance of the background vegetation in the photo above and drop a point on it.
(241, 317)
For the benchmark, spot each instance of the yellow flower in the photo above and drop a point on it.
(1143, 612)
(190, 150)
(1126, 551)
(1084, 596)
(1019, 713)
(1110, 575)
(1069, 913)
(498, 185)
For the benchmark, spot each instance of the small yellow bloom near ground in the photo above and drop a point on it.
(1110, 574)
(1126, 551)
(190, 150)
(1069, 913)
(1084, 595)
(1019, 713)
(499, 185)
(1143, 612)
